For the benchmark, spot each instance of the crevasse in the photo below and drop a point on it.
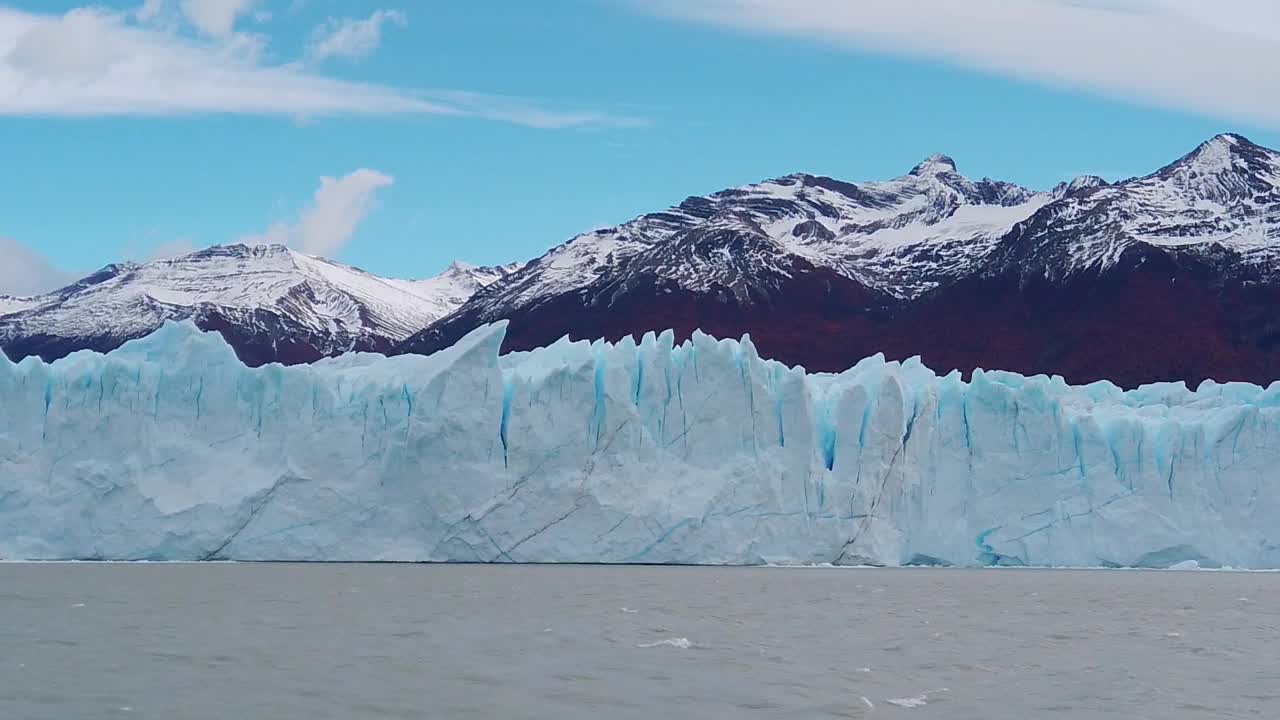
(170, 448)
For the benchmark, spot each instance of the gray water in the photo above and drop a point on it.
(410, 641)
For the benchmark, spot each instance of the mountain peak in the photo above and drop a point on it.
(233, 250)
(1222, 153)
(1224, 168)
(1078, 184)
(935, 164)
(1228, 139)
(1218, 147)
(484, 274)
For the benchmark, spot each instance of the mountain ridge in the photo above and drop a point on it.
(273, 303)
(819, 271)
(822, 272)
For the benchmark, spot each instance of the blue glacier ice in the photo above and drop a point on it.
(170, 448)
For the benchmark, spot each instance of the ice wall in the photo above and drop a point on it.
(169, 448)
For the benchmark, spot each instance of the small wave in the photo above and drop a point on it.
(628, 610)
(914, 702)
(682, 643)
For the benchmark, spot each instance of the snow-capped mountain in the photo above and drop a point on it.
(1174, 275)
(966, 273)
(902, 237)
(883, 242)
(447, 291)
(11, 304)
(272, 303)
(1223, 196)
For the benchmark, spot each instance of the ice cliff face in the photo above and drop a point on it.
(170, 448)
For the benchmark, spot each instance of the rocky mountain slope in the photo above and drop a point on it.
(270, 302)
(1168, 276)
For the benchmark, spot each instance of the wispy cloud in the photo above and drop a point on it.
(27, 272)
(215, 17)
(323, 227)
(352, 38)
(1219, 58)
(329, 222)
(150, 247)
(172, 249)
(95, 62)
(523, 111)
(149, 10)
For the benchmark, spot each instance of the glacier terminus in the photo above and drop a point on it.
(170, 448)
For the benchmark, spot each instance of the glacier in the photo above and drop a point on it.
(169, 448)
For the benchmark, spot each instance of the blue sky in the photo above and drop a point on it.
(491, 130)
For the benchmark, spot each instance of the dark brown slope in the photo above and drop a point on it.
(1154, 316)
(816, 318)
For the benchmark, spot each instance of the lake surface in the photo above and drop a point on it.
(410, 641)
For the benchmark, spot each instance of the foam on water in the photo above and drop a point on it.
(681, 643)
(916, 701)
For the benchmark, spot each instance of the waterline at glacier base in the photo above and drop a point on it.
(169, 448)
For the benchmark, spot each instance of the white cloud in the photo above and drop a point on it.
(215, 17)
(522, 111)
(26, 272)
(352, 38)
(94, 62)
(150, 10)
(1219, 58)
(172, 249)
(148, 248)
(336, 210)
